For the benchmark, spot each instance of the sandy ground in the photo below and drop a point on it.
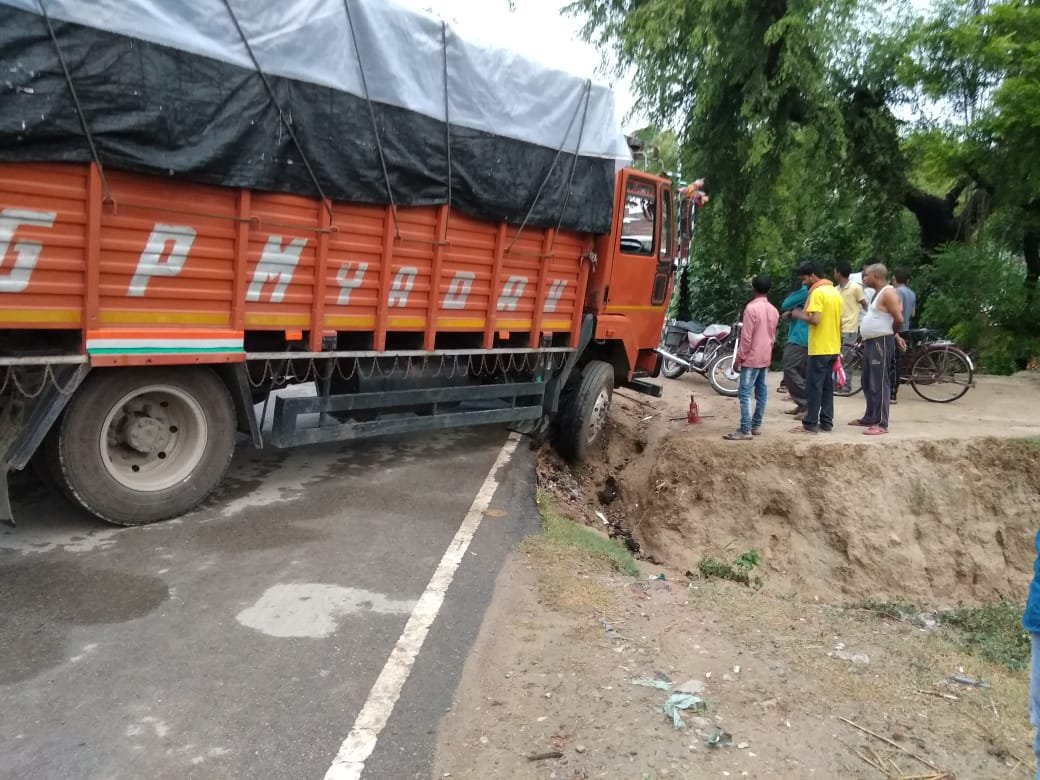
(941, 510)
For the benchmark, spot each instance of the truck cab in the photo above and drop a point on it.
(630, 285)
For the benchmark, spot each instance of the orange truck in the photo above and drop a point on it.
(147, 320)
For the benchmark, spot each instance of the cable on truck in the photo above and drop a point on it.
(372, 114)
(106, 193)
(577, 152)
(552, 167)
(277, 105)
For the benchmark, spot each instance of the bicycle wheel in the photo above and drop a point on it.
(941, 374)
(852, 362)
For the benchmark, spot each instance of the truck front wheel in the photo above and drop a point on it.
(139, 445)
(583, 413)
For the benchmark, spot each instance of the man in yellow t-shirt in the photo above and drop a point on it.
(853, 302)
(823, 313)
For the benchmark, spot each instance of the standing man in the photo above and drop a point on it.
(1031, 623)
(853, 302)
(879, 329)
(823, 313)
(908, 299)
(796, 353)
(754, 354)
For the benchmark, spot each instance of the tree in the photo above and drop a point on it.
(849, 129)
(745, 86)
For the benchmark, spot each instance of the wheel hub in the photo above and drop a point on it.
(153, 438)
(599, 415)
(147, 435)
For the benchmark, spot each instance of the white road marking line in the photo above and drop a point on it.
(349, 763)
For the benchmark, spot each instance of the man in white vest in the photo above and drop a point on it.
(879, 331)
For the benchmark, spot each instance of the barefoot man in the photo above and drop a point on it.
(880, 333)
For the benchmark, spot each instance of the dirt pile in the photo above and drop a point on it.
(940, 523)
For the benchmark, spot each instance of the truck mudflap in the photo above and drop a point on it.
(33, 394)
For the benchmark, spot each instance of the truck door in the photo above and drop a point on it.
(642, 267)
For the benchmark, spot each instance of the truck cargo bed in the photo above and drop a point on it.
(144, 270)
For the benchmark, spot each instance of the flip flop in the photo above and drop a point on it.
(861, 424)
(874, 430)
(803, 429)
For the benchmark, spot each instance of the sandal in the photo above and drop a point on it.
(756, 431)
(875, 430)
(738, 436)
(796, 410)
(861, 424)
(803, 429)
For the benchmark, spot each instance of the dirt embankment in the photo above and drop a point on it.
(937, 521)
(940, 511)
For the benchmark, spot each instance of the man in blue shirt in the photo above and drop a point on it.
(1031, 623)
(909, 299)
(907, 296)
(796, 353)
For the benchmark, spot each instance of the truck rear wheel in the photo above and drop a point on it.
(583, 415)
(140, 445)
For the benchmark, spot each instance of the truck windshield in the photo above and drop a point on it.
(640, 218)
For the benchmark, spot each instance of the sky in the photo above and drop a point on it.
(537, 30)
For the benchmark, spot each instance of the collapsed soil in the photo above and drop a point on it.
(838, 517)
(942, 511)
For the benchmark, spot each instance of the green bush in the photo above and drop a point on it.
(976, 295)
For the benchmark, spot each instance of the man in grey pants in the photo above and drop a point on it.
(796, 353)
(879, 331)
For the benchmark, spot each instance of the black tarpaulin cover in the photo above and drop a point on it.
(170, 87)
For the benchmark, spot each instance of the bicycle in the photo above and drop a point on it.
(937, 369)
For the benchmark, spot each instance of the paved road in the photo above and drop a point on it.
(242, 640)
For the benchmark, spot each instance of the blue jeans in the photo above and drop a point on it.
(752, 379)
(1034, 695)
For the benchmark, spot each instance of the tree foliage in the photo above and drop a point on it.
(852, 129)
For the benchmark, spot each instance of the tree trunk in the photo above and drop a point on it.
(1031, 249)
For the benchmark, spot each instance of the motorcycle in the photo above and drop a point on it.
(709, 351)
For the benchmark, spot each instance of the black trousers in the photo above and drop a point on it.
(819, 393)
(893, 369)
(877, 379)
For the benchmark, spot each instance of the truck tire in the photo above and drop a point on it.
(583, 415)
(139, 445)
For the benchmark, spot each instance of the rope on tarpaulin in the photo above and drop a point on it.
(447, 118)
(577, 152)
(106, 193)
(372, 115)
(277, 105)
(556, 159)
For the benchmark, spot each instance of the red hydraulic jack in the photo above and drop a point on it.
(694, 415)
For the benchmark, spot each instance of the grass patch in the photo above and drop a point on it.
(559, 531)
(738, 571)
(897, 609)
(572, 559)
(993, 632)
